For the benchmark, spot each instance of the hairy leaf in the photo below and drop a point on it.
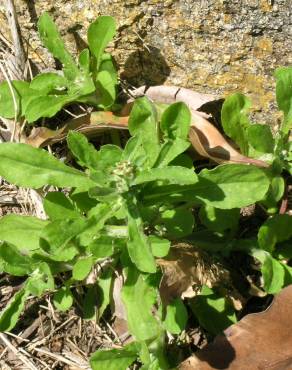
(53, 42)
(172, 174)
(176, 121)
(32, 167)
(46, 106)
(159, 246)
(106, 85)
(82, 268)
(284, 95)
(13, 261)
(48, 82)
(178, 222)
(176, 317)
(63, 299)
(213, 311)
(272, 270)
(138, 244)
(10, 314)
(99, 34)
(142, 121)
(274, 230)
(84, 152)
(219, 219)
(22, 231)
(114, 359)
(57, 206)
(260, 138)
(139, 297)
(235, 120)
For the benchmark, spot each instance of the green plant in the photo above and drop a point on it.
(92, 80)
(257, 140)
(129, 205)
(137, 208)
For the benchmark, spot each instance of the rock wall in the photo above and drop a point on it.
(214, 46)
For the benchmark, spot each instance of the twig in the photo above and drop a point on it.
(43, 340)
(14, 100)
(26, 362)
(14, 28)
(61, 358)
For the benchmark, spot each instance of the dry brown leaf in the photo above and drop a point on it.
(117, 306)
(205, 138)
(185, 270)
(210, 143)
(90, 124)
(260, 341)
(171, 94)
(120, 324)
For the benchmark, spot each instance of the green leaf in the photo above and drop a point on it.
(172, 174)
(10, 314)
(89, 303)
(99, 34)
(82, 268)
(40, 280)
(84, 152)
(13, 261)
(273, 275)
(26, 166)
(134, 151)
(176, 317)
(84, 60)
(183, 160)
(226, 186)
(139, 297)
(274, 230)
(235, 121)
(213, 311)
(107, 64)
(260, 138)
(178, 222)
(159, 246)
(104, 285)
(102, 247)
(231, 186)
(114, 359)
(53, 42)
(22, 231)
(138, 244)
(276, 191)
(284, 95)
(46, 106)
(211, 241)
(106, 85)
(272, 270)
(176, 121)
(219, 219)
(82, 201)
(143, 121)
(19, 100)
(63, 299)
(81, 88)
(58, 206)
(48, 82)
(57, 234)
(108, 156)
(170, 150)
(97, 217)
(8, 105)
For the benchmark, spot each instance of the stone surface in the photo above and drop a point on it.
(211, 46)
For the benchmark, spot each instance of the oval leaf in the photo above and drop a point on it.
(25, 166)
